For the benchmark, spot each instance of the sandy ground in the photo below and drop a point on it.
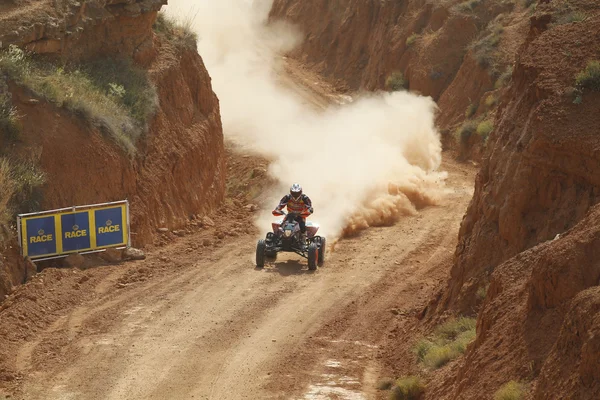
(211, 326)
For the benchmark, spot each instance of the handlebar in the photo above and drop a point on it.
(281, 212)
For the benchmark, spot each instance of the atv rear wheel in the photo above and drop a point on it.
(322, 246)
(313, 256)
(260, 253)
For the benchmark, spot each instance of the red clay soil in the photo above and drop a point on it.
(539, 321)
(543, 170)
(196, 317)
(362, 42)
(358, 44)
(50, 295)
(539, 324)
(179, 170)
(74, 30)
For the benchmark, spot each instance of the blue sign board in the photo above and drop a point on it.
(74, 230)
(109, 227)
(41, 236)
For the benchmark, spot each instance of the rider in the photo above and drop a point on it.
(297, 203)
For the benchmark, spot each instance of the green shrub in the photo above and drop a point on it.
(491, 101)
(396, 82)
(111, 95)
(177, 32)
(463, 339)
(408, 388)
(28, 181)
(485, 128)
(454, 327)
(125, 84)
(471, 110)
(21, 191)
(570, 17)
(9, 118)
(482, 292)
(589, 78)
(6, 193)
(385, 384)
(503, 79)
(422, 348)
(468, 5)
(438, 356)
(448, 342)
(465, 131)
(411, 39)
(510, 391)
(484, 48)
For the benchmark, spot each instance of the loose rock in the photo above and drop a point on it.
(74, 261)
(133, 254)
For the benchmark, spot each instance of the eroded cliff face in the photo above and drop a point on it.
(74, 30)
(359, 44)
(179, 169)
(540, 176)
(539, 323)
(542, 171)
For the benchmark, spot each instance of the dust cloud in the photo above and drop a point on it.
(367, 163)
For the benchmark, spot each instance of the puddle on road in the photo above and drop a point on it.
(356, 342)
(334, 386)
(320, 392)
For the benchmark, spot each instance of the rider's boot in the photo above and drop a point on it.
(303, 237)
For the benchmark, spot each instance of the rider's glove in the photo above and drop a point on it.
(310, 210)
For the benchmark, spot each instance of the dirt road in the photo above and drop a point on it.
(219, 329)
(200, 322)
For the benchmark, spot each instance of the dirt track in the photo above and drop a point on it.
(210, 326)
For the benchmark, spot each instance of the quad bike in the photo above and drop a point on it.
(286, 237)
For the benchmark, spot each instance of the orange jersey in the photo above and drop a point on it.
(300, 206)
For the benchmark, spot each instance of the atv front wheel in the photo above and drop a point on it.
(322, 246)
(313, 256)
(260, 253)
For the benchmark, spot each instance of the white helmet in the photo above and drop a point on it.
(296, 191)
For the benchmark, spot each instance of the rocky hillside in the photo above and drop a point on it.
(538, 325)
(171, 169)
(539, 321)
(460, 53)
(540, 176)
(526, 264)
(76, 30)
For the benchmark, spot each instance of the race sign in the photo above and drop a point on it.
(83, 229)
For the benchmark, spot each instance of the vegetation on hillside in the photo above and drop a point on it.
(21, 191)
(485, 47)
(510, 391)
(396, 82)
(448, 341)
(408, 388)
(111, 95)
(177, 32)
